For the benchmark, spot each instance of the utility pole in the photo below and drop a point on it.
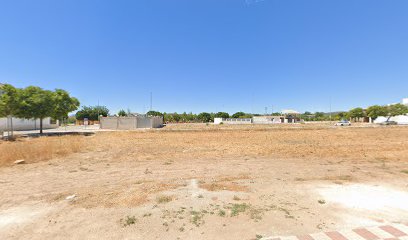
(98, 111)
(330, 111)
(266, 111)
(151, 101)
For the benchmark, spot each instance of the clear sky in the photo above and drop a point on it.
(210, 55)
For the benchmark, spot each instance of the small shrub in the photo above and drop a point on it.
(221, 213)
(197, 218)
(239, 208)
(129, 220)
(164, 199)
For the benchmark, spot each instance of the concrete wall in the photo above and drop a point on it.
(26, 124)
(157, 122)
(400, 119)
(129, 123)
(256, 120)
(266, 119)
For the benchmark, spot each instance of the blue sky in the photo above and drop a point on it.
(212, 55)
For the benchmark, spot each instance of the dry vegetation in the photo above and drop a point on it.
(39, 149)
(215, 142)
(195, 180)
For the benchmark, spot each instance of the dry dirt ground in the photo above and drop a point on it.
(197, 181)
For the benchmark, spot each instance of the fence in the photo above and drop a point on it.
(128, 123)
(233, 120)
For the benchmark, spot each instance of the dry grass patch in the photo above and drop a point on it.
(202, 142)
(226, 183)
(39, 149)
(164, 199)
(224, 186)
(128, 195)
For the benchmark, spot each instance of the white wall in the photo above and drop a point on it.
(217, 120)
(233, 120)
(128, 123)
(26, 124)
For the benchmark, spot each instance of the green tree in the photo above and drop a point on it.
(36, 103)
(92, 112)
(176, 117)
(356, 113)
(122, 113)
(154, 113)
(397, 109)
(9, 103)
(318, 116)
(238, 115)
(376, 111)
(339, 115)
(63, 104)
(222, 115)
(204, 117)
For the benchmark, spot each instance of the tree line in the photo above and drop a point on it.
(373, 111)
(355, 113)
(36, 103)
(377, 110)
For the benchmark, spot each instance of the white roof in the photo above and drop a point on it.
(290, 111)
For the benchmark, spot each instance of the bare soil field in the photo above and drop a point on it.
(198, 181)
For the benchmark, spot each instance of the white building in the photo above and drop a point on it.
(405, 101)
(288, 116)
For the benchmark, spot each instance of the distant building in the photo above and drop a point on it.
(405, 101)
(288, 116)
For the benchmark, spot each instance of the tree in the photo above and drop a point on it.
(376, 111)
(238, 115)
(339, 115)
(356, 113)
(176, 117)
(63, 104)
(319, 116)
(397, 109)
(222, 115)
(122, 113)
(92, 112)
(204, 117)
(9, 103)
(154, 113)
(36, 103)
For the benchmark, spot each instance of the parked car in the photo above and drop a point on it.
(343, 123)
(389, 123)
